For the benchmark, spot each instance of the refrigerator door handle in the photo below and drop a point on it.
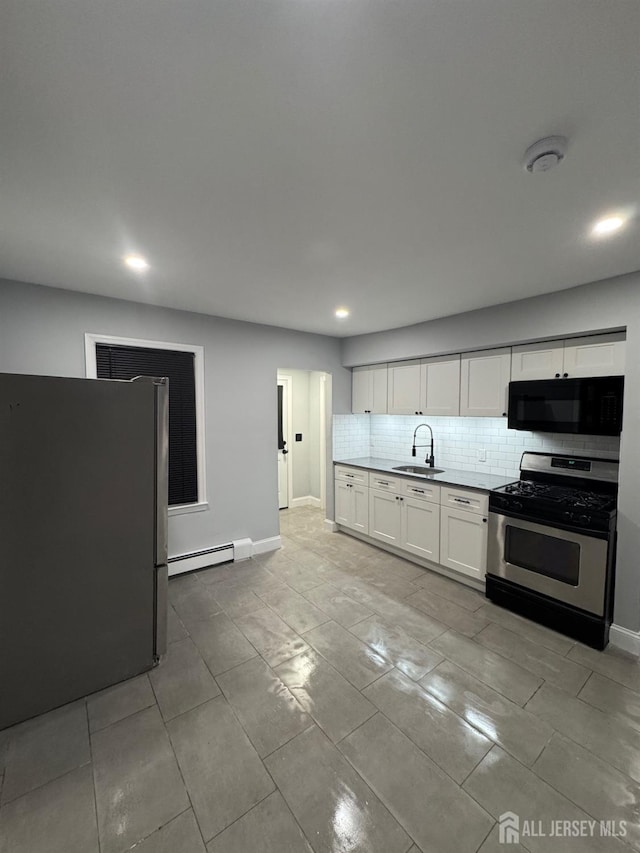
(160, 616)
(162, 471)
(161, 389)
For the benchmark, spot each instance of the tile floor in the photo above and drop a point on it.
(331, 697)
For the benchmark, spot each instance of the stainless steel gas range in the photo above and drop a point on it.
(552, 544)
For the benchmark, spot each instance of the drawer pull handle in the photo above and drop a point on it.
(418, 491)
(350, 475)
(383, 482)
(462, 501)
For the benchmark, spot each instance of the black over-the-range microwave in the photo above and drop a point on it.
(591, 406)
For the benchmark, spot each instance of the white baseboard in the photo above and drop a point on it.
(182, 563)
(623, 638)
(240, 549)
(308, 500)
(331, 525)
(263, 546)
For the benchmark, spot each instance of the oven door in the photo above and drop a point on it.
(564, 565)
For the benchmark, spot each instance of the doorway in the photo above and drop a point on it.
(284, 439)
(303, 431)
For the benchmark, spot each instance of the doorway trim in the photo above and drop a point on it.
(287, 382)
(323, 439)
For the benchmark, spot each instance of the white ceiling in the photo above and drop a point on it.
(274, 159)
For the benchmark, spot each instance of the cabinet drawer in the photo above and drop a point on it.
(421, 490)
(385, 484)
(477, 502)
(351, 475)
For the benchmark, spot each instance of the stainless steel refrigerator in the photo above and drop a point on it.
(83, 536)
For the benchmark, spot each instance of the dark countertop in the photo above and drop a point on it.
(451, 477)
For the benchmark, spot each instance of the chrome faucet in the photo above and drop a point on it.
(430, 459)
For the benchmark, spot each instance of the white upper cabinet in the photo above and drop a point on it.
(442, 382)
(369, 390)
(484, 380)
(406, 388)
(596, 355)
(537, 361)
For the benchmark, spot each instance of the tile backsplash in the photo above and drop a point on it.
(459, 442)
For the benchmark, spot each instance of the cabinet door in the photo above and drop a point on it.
(442, 386)
(344, 503)
(378, 399)
(405, 395)
(384, 517)
(484, 382)
(421, 528)
(360, 518)
(463, 542)
(537, 361)
(360, 390)
(597, 355)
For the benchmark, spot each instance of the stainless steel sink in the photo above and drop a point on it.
(424, 470)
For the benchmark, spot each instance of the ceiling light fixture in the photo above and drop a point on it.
(136, 263)
(608, 225)
(341, 313)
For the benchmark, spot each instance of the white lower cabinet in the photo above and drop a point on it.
(352, 506)
(421, 528)
(439, 523)
(463, 542)
(412, 524)
(385, 517)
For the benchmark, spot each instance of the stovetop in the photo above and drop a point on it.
(562, 497)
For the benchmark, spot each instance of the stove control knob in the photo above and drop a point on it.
(517, 504)
(584, 519)
(568, 516)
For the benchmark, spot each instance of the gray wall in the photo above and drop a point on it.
(42, 332)
(611, 304)
(590, 308)
(316, 387)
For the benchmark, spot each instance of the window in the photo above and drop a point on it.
(125, 359)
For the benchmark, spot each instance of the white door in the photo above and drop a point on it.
(442, 386)
(600, 355)
(344, 510)
(379, 390)
(360, 508)
(484, 382)
(384, 516)
(537, 361)
(361, 402)
(421, 528)
(284, 391)
(463, 542)
(405, 395)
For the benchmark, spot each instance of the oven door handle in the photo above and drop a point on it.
(570, 528)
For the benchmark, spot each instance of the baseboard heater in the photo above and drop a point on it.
(201, 559)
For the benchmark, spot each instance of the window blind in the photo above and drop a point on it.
(123, 362)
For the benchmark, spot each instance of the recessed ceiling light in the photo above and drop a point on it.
(608, 225)
(341, 313)
(136, 262)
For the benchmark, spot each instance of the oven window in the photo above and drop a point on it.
(547, 555)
